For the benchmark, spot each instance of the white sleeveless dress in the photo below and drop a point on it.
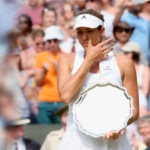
(74, 139)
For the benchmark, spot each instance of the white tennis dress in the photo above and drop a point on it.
(73, 138)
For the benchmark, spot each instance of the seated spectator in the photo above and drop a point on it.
(24, 23)
(122, 32)
(49, 17)
(129, 13)
(53, 138)
(79, 5)
(143, 127)
(14, 127)
(67, 13)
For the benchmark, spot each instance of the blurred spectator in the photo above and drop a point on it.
(11, 76)
(46, 77)
(143, 127)
(34, 11)
(14, 127)
(29, 54)
(2, 134)
(122, 31)
(145, 12)
(28, 70)
(67, 13)
(7, 102)
(53, 139)
(129, 13)
(79, 5)
(71, 44)
(8, 10)
(24, 23)
(93, 4)
(49, 17)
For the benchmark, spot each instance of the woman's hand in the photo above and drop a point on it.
(100, 51)
(113, 135)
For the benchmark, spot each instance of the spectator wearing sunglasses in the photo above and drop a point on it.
(46, 77)
(130, 13)
(122, 32)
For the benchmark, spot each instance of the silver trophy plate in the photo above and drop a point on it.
(102, 108)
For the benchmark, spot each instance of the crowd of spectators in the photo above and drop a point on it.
(43, 29)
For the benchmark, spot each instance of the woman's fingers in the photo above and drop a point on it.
(122, 131)
(108, 41)
(111, 135)
(90, 43)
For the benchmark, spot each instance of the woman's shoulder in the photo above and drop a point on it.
(125, 63)
(67, 56)
(123, 59)
(66, 60)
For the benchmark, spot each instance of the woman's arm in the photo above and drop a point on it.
(68, 85)
(128, 73)
(130, 83)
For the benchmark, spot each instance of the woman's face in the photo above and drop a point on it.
(23, 24)
(123, 34)
(49, 18)
(144, 131)
(84, 34)
(68, 13)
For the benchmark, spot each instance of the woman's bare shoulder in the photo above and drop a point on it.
(123, 59)
(125, 64)
(66, 59)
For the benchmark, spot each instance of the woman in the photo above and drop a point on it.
(122, 31)
(25, 25)
(78, 72)
(49, 17)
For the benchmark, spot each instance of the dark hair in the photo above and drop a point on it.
(28, 19)
(92, 12)
(135, 56)
(38, 32)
